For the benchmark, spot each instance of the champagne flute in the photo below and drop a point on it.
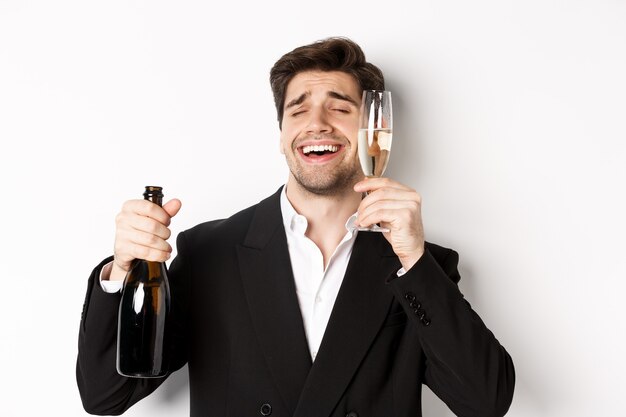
(374, 139)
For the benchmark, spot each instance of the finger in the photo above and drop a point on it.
(136, 222)
(397, 213)
(126, 252)
(172, 207)
(149, 254)
(148, 209)
(368, 209)
(389, 194)
(144, 239)
(373, 184)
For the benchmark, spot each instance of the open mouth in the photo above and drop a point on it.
(320, 150)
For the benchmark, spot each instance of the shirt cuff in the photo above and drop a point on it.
(107, 285)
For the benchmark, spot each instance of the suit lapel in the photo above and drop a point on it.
(271, 295)
(359, 311)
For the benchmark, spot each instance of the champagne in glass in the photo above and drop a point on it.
(374, 139)
(374, 148)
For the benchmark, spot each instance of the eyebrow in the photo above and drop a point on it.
(298, 100)
(343, 97)
(332, 94)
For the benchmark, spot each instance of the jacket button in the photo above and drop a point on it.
(266, 409)
(352, 414)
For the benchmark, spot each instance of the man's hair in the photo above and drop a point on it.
(332, 54)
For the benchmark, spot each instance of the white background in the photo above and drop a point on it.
(510, 121)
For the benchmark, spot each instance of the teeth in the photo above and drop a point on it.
(320, 148)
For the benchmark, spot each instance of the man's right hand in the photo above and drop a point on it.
(141, 231)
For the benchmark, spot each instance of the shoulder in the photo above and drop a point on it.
(234, 229)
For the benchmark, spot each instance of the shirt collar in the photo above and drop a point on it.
(297, 223)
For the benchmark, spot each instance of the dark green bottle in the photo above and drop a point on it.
(141, 350)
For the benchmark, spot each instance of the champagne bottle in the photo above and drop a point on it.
(145, 303)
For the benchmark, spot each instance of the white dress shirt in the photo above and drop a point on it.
(316, 287)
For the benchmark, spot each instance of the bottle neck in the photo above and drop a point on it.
(154, 194)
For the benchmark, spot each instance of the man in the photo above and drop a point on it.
(283, 309)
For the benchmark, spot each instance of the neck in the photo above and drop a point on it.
(326, 214)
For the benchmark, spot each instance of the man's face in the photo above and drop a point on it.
(319, 131)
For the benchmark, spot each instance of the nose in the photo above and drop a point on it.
(318, 122)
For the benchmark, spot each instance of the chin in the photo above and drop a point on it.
(340, 186)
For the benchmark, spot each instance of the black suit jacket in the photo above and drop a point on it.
(235, 320)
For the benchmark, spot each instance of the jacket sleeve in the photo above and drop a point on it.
(466, 367)
(102, 390)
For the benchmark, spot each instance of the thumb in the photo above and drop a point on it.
(172, 207)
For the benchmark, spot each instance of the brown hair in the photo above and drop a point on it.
(332, 54)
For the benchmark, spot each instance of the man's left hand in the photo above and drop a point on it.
(397, 208)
